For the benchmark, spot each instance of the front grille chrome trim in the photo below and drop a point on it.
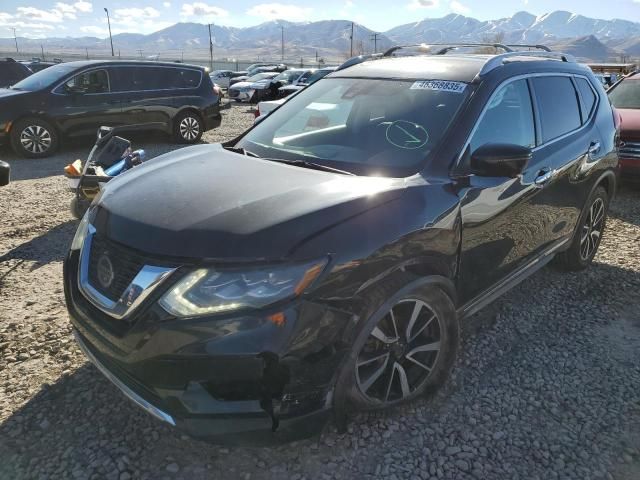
(629, 149)
(128, 392)
(143, 284)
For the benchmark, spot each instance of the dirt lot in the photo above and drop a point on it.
(547, 385)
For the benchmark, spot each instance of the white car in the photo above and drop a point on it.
(265, 108)
(243, 91)
(222, 77)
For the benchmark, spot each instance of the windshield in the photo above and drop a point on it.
(45, 78)
(363, 126)
(626, 94)
(288, 76)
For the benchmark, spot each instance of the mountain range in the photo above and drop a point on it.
(586, 38)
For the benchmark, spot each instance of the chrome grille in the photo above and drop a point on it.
(629, 149)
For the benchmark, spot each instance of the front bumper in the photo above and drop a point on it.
(237, 380)
(241, 95)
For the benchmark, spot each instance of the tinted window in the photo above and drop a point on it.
(136, 79)
(626, 94)
(508, 118)
(46, 77)
(94, 81)
(588, 97)
(558, 103)
(365, 126)
(11, 73)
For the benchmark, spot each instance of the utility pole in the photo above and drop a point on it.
(374, 37)
(282, 43)
(140, 52)
(86, 51)
(42, 48)
(316, 57)
(351, 38)
(210, 49)
(110, 37)
(16, 40)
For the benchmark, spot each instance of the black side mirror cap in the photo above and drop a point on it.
(5, 173)
(500, 160)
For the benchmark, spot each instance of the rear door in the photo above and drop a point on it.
(569, 147)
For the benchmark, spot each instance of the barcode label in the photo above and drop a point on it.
(439, 86)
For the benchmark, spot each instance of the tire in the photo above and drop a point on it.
(34, 138)
(79, 207)
(436, 323)
(590, 229)
(188, 127)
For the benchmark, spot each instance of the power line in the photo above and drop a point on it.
(374, 37)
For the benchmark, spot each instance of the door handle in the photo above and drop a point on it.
(594, 149)
(543, 177)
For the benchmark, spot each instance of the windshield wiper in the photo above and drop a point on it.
(242, 151)
(312, 165)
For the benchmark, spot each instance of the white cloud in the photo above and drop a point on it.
(203, 12)
(137, 13)
(32, 13)
(166, 4)
(65, 8)
(279, 11)
(349, 3)
(418, 4)
(458, 7)
(138, 19)
(84, 7)
(5, 18)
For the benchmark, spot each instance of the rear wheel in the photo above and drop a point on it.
(188, 127)
(34, 138)
(589, 234)
(402, 352)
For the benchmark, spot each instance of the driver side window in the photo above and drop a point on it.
(94, 81)
(508, 118)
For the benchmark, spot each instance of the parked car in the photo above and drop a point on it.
(266, 107)
(244, 91)
(223, 77)
(36, 65)
(252, 71)
(268, 88)
(625, 97)
(323, 259)
(75, 98)
(12, 72)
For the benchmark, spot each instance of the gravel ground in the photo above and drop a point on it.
(547, 385)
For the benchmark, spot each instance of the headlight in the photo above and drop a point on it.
(207, 291)
(81, 232)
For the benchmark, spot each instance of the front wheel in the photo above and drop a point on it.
(588, 234)
(34, 138)
(188, 127)
(403, 351)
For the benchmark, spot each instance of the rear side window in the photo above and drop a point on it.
(94, 81)
(588, 97)
(138, 79)
(558, 104)
(11, 73)
(508, 118)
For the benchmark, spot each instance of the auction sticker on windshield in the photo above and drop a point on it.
(439, 86)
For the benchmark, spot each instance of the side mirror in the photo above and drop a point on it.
(500, 160)
(5, 173)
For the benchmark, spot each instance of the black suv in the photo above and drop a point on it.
(323, 260)
(76, 98)
(12, 72)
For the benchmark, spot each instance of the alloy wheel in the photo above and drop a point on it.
(189, 128)
(400, 353)
(35, 139)
(592, 229)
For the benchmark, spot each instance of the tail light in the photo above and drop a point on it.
(256, 112)
(617, 118)
(216, 89)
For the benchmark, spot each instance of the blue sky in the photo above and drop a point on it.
(38, 18)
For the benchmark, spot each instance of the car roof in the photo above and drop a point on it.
(452, 67)
(111, 63)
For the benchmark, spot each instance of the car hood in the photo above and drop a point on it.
(206, 202)
(7, 92)
(238, 85)
(630, 126)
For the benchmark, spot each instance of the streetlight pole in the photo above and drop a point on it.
(351, 38)
(210, 49)
(16, 40)
(110, 37)
(282, 43)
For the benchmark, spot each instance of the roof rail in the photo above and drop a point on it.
(358, 59)
(526, 45)
(447, 46)
(499, 60)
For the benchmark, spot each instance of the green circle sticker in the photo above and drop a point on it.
(407, 135)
